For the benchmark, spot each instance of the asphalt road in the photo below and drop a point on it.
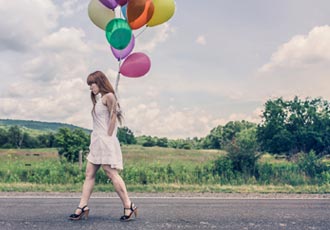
(26, 213)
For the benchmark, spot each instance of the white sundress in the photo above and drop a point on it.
(104, 149)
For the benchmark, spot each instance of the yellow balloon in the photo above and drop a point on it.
(163, 11)
(99, 14)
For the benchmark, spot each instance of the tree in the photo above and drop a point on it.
(232, 128)
(3, 137)
(162, 142)
(15, 136)
(243, 151)
(46, 140)
(295, 126)
(148, 141)
(126, 136)
(214, 139)
(29, 141)
(220, 136)
(71, 142)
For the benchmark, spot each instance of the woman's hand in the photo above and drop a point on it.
(110, 133)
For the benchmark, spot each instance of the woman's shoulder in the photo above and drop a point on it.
(110, 97)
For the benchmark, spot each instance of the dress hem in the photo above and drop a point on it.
(113, 166)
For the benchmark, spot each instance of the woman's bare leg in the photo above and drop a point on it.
(88, 186)
(119, 184)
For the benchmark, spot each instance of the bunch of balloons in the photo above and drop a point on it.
(135, 14)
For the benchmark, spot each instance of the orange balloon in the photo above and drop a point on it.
(139, 12)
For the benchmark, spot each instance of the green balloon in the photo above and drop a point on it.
(118, 33)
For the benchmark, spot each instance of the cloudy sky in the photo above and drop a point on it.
(212, 62)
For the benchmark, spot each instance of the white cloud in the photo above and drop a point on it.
(302, 51)
(60, 55)
(65, 101)
(152, 119)
(152, 36)
(24, 22)
(70, 7)
(52, 86)
(299, 67)
(66, 39)
(201, 40)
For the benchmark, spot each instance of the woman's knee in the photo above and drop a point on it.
(89, 174)
(111, 173)
(91, 171)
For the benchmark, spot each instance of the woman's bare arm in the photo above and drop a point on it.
(111, 103)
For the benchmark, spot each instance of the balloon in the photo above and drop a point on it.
(99, 14)
(118, 33)
(109, 3)
(124, 11)
(164, 10)
(135, 65)
(121, 54)
(122, 2)
(139, 12)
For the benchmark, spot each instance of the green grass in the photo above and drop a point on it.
(44, 152)
(132, 154)
(145, 155)
(149, 169)
(273, 159)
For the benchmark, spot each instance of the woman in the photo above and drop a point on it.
(104, 147)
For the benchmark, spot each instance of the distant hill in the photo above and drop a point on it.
(39, 125)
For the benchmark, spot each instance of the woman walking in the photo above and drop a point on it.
(104, 147)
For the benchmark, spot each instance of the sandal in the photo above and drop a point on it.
(84, 213)
(133, 210)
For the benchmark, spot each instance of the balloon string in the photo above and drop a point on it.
(120, 13)
(141, 32)
(118, 76)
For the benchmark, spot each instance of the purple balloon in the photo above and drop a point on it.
(112, 4)
(121, 2)
(121, 54)
(135, 65)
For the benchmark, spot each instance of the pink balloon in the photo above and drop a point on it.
(121, 2)
(121, 54)
(109, 3)
(135, 65)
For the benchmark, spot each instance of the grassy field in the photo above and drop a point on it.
(136, 154)
(131, 154)
(146, 169)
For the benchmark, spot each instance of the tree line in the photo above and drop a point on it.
(287, 127)
(17, 137)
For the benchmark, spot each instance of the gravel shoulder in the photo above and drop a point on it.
(170, 195)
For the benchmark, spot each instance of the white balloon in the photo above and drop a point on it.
(99, 14)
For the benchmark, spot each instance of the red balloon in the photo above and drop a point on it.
(139, 12)
(135, 65)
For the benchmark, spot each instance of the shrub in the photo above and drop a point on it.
(242, 151)
(311, 165)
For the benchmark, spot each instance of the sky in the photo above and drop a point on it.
(211, 63)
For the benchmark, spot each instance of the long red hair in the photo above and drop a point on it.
(105, 87)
